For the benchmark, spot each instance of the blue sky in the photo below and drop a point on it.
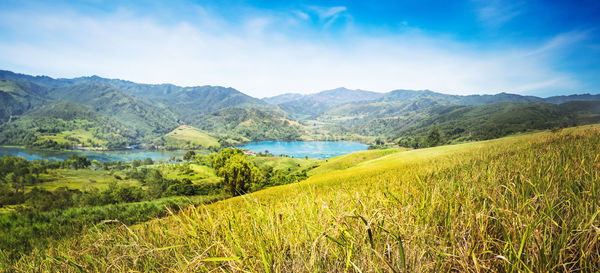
(264, 48)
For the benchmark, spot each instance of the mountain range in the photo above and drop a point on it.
(43, 112)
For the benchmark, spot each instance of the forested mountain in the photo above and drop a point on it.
(457, 123)
(250, 124)
(65, 125)
(189, 103)
(147, 111)
(310, 106)
(92, 111)
(147, 119)
(17, 98)
(412, 113)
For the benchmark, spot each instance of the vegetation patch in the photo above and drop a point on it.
(188, 137)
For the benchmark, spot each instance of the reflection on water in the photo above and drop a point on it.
(298, 149)
(125, 155)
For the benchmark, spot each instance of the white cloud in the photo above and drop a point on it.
(261, 61)
(328, 12)
(495, 13)
(302, 15)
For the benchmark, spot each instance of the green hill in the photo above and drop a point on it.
(481, 122)
(150, 110)
(187, 137)
(148, 120)
(521, 203)
(249, 124)
(64, 125)
(17, 98)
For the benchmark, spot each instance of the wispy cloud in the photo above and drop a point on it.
(328, 15)
(495, 13)
(262, 58)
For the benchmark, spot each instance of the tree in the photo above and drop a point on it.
(78, 162)
(434, 138)
(189, 155)
(136, 163)
(156, 183)
(148, 161)
(218, 160)
(238, 173)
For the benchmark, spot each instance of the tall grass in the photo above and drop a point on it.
(519, 204)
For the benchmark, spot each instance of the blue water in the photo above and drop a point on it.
(102, 156)
(312, 149)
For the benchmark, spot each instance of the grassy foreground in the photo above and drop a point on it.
(519, 204)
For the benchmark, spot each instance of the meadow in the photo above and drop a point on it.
(189, 137)
(526, 203)
(82, 179)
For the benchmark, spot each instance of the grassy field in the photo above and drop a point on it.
(351, 160)
(194, 172)
(195, 137)
(73, 137)
(82, 179)
(286, 164)
(518, 204)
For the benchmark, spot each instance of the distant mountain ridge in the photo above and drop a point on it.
(324, 106)
(151, 111)
(145, 113)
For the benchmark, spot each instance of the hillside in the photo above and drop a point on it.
(480, 122)
(308, 106)
(342, 102)
(17, 98)
(239, 125)
(63, 125)
(148, 111)
(147, 119)
(188, 103)
(524, 203)
(188, 137)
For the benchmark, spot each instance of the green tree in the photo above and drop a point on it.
(78, 162)
(238, 173)
(148, 161)
(434, 138)
(189, 155)
(218, 160)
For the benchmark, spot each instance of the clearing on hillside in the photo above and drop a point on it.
(190, 136)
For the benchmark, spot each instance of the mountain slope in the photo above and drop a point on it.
(458, 123)
(18, 97)
(189, 103)
(249, 124)
(148, 120)
(153, 110)
(62, 125)
(309, 106)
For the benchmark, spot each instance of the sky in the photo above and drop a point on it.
(266, 48)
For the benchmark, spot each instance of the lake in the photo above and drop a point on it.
(102, 156)
(312, 149)
(297, 149)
